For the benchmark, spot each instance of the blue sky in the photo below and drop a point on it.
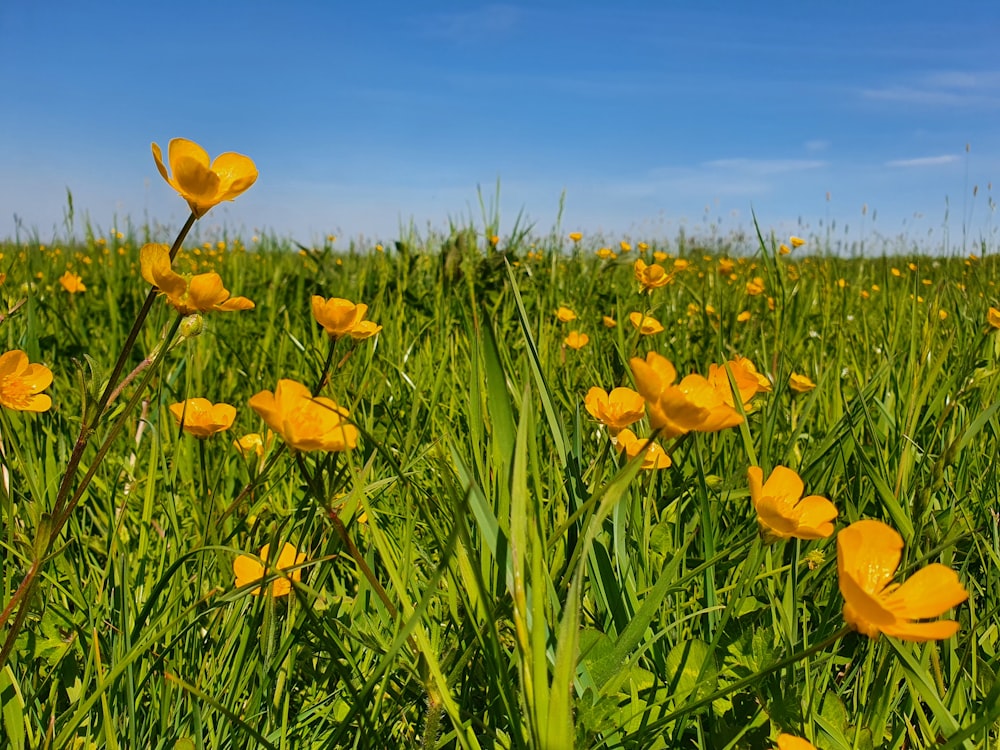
(650, 116)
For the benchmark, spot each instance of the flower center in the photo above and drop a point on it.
(14, 392)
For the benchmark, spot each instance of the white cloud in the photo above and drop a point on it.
(923, 161)
(765, 166)
(943, 89)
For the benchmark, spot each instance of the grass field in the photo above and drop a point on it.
(485, 568)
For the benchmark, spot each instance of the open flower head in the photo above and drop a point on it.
(800, 383)
(22, 383)
(202, 183)
(576, 340)
(615, 410)
(993, 318)
(650, 277)
(248, 569)
(565, 315)
(653, 456)
(868, 553)
(72, 283)
(782, 511)
(791, 742)
(187, 294)
(749, 382)
(305, 422)
(647, 325)
(254, 444)
(201, 418)
(693, 404)
(341, 317)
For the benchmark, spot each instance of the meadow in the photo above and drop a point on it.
(412, 511)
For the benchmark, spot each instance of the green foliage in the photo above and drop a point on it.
(486, 570)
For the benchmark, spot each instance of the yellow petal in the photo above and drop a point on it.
(919, 632)
(870, 551)
(236, 174)
(154, 264)
(929, 592)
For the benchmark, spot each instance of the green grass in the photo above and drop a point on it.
(513, 582)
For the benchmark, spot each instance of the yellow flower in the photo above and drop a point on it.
(340, 317)
(617, 409)
(21, 383)
(691, 405)
(681, 264)
(791, 742)
(608, 321)
(625, 247)
(200, 183)
(868, 553)
(755, 286)
(650, 276)
(796, 241)
(800, 383)
(565, 315)
(783, 249)
(187, 294)
(782, 512)
(605, 253)
(645, 324)
(249, 569)
(726, 266)
(305, 422)
(653, 456)
(993, 317)
(743, 317)
(576, 236)
(253, 443)
(494, 239)
(749, 382)
(576, 340)
(201, 418)
(72, 283)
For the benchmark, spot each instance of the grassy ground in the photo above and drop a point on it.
(484, 569)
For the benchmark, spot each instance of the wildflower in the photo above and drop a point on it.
(659, 256)
(726, 266)
(749, 382)
(868, 553)
(200, 183)
(605, 253)
(248, 569)
(608, 321)
(653, 456)
(690, 405)
(201, 418)
(895, 272)
(21, 383)
(791, 742)
(615, 410)
(576, 340)
(494, 239)
(340, 317)
(993, 317)
(743, 317)
(800, 383)
(645, 324)
(187, 294)
(625, 247)
(650, 277)
(755, 286)
(72, 283)
(253, 443)
(783, 249)
(565, 315)
(796, 241)
(576, 236)
(305, 422)
(782, 512)
(643, 247)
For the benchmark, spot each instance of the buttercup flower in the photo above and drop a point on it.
(187, 294)
(782, 511)
(692, 404)
(305, 422)
(645, 324)
(650, 277)
(201, 418)
(993, 317)
(608, 321)
(796, 241)
(253, 443)
(791, 742)
(783, 249)
(576, 340)
(755, 286)
(200, 183)
(800, 383)
(868, 553)
(339, 317)
(653, 457)
(565, 315)
(615, 410)
(22, 383)
(249, 569)
(749, 382)
(576, 236)
(72, 283)
(625, 247)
